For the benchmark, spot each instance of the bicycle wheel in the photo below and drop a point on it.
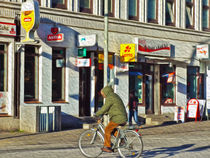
(132, 145)
(90, 143)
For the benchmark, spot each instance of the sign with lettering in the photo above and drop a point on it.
(193, 109)
(86, 40)
(83, 62)
(55, 36)
(7, 29)
(153, 47)
(202, 51)
(30, 18)
(128, 53)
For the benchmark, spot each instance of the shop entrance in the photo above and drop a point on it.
(84, 91)
(149, 93)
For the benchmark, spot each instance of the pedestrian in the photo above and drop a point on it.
(133, 109)
(115, 108)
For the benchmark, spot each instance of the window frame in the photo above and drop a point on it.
(63, 77)
(161, 87)
(205, 7)
(110, 14)
(60, 6)
(36, 56)
(156, 12)
(174, 13)
(137, 11)
(86, 10)
(192, 4)
(5, 51)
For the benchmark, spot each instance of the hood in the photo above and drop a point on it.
(107, 90)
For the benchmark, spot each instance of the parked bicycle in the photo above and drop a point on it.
(128, 142)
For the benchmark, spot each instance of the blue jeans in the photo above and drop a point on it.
(133, 113)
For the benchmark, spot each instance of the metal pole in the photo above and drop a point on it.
(105, 41)
(105, 50)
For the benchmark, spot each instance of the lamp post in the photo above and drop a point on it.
(105, 50)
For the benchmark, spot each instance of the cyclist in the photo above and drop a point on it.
(115, 108)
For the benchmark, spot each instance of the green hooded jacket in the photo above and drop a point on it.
(113, 106)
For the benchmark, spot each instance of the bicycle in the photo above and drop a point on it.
(91, 141)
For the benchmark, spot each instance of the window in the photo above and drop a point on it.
(86, 6)
(58, 74)
(170, 12)
(195, 83)
(152, 11)
(3, 67)
(167, 81)
(190, 14)
(205, 15)
(31, 74)
(111, 5)
(133, 7)
(59, 4)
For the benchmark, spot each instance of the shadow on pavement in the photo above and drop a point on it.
(199, 149)
(166, 151)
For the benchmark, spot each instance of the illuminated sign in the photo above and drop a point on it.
(128, 53)
(55, 36)
(86, 40)
(202, 51)
(30, 18)
(7, 29)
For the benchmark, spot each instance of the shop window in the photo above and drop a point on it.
(167, 82)
(59, 4)
(152, 11)
(111, 5)
(170, 12)
(86, 6)
(31, 74)
(3, 67)
(205, 15)
(195, 83)
(133, 7)
(190, 14)
(58, 74)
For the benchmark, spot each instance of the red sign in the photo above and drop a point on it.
(57, 37)
(54, 30)
(7, 29)
(193, 109)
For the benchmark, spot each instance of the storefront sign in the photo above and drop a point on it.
(30, 18)
(202, 51)
(55, 36)
(101, 58)
(7, 29)
(128, 53)
(153, 47)
(83, 62)
(86, 40)
(193, 109)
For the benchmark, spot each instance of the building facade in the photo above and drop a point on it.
(166, 74)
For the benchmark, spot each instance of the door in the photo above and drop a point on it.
(149, 93)
(84, 91)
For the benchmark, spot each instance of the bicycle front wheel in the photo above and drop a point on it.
(132, 145)
(90, 143)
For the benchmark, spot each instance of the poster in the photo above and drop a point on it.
(3, 103)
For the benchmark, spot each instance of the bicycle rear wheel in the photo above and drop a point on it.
(132, 145)
(90, 143)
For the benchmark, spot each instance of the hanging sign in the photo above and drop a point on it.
(7, 29)
(83, 62)
(55, 36)
(128, 53)
(193, 109)
(86, 40)
(202, 51)
(153, 47)
(30, 18)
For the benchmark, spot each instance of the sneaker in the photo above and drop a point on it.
(106, 149)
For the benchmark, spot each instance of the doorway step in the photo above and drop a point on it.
(163, 119)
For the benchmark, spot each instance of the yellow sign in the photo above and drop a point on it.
(30, 18)
(101, 58)
(128, 53)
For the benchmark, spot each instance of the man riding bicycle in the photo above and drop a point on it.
(115, 108)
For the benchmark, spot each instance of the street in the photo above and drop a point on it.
(191, 139)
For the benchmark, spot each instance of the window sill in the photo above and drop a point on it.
(33, 102)
(64, 102)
